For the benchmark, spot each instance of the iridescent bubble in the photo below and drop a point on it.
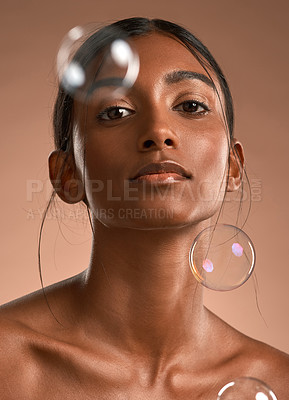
(93, 58)
(246, 388)
(222, 257)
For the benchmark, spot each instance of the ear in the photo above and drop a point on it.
(64, 178)
(237, 165)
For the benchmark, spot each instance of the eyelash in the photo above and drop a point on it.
(117, 108)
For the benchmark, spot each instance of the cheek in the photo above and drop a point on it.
(98, 155)
(104, 172)
(214, 161)
(209, 160)
(106, 160)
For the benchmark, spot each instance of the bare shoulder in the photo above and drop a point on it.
(27, 328)
(264, 362)
(41, 313)
(38, 309)
(248, 357)
(270, 365)
(16, 370)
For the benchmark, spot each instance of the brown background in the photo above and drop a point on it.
(250, 41)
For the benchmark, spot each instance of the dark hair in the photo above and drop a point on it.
(95, 46)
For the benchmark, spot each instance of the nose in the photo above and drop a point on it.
(157, 135)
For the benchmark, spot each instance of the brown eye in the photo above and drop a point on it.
(112, 113)
(192, 107)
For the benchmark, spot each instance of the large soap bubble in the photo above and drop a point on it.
(92, 58)
(222, 257)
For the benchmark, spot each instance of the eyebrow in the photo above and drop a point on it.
(170, 78)
(178, 76)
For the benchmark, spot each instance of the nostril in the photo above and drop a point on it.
(148, 143)
(168, 142)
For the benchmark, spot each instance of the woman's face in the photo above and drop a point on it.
(169, 116)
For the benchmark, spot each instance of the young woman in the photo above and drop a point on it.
(133, 324)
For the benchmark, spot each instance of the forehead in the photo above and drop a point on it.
(160, 53)
(161, 45)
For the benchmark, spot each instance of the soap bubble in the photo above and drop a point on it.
(92, 58)
(222, 257)
(246, 388)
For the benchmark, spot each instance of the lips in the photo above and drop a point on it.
(163, 170)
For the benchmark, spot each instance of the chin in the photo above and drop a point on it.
(149, 218)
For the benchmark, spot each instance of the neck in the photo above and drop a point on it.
(139, 291)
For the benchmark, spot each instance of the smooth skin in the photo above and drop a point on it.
(133, 324)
